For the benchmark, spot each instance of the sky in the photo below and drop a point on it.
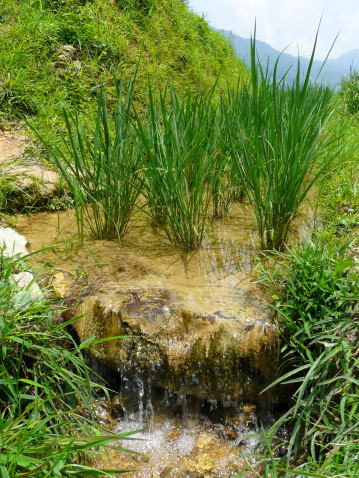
(288, 23)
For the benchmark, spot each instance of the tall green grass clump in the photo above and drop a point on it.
(101, 167)
(277, 143)
(225, 186)
(226, 183)
(47, 421)
(317, 291)
(178, 138)
(236, 103)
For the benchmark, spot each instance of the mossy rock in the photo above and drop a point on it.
(206, 356)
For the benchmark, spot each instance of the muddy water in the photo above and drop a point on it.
(215, 279)
(183, 437)
(145, 256)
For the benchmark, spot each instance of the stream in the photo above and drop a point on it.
(204, 342)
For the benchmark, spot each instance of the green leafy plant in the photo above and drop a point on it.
(224, 186)
(138, 8)
(55, 5)
(105, 37)
(14, 95)
(80, 31)
(340, 199)
(316, 295)
(349, 92)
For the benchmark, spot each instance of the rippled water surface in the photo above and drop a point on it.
(217, 278)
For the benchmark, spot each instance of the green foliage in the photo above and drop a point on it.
(318, 292)
(185, 151)
(55, 5)
(349, 92)
(101, 167)
(8, 190)
(139, 9)
(179, 143)
(276, 141)
(169, 156)
(315, 284)
(315, 295)
(160, 38)
(47, 427)
(13, 95)
(80, 33)
(339, 198)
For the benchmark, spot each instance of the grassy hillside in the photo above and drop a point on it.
(158, 38)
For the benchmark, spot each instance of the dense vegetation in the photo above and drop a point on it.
(180, 149)
(57, 54)
(47, 423)
(349, 91)
(318, 294)
(157, 39)
(315, 293)
(182, 153)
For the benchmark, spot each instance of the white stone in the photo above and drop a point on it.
(23, 280)
(14, 242)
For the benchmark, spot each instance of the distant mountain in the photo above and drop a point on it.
(332, 72)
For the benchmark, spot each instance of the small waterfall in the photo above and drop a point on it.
(141, 392)
(183, 435)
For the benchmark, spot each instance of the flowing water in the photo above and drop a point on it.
(184, 436)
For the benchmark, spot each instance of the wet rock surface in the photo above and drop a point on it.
(199, 328)
(198, 324)
(178, 438)
(209, 356)
(59, 285)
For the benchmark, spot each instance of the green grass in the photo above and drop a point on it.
(179, 144)
(277, 142)
(47, 424)
(160, 39)
(101, 167)
(339, 191)
(316, 291)
(317, 306)
(189, 150)
(349, 92)
(266, 140)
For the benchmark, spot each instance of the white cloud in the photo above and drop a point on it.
(349, 32)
